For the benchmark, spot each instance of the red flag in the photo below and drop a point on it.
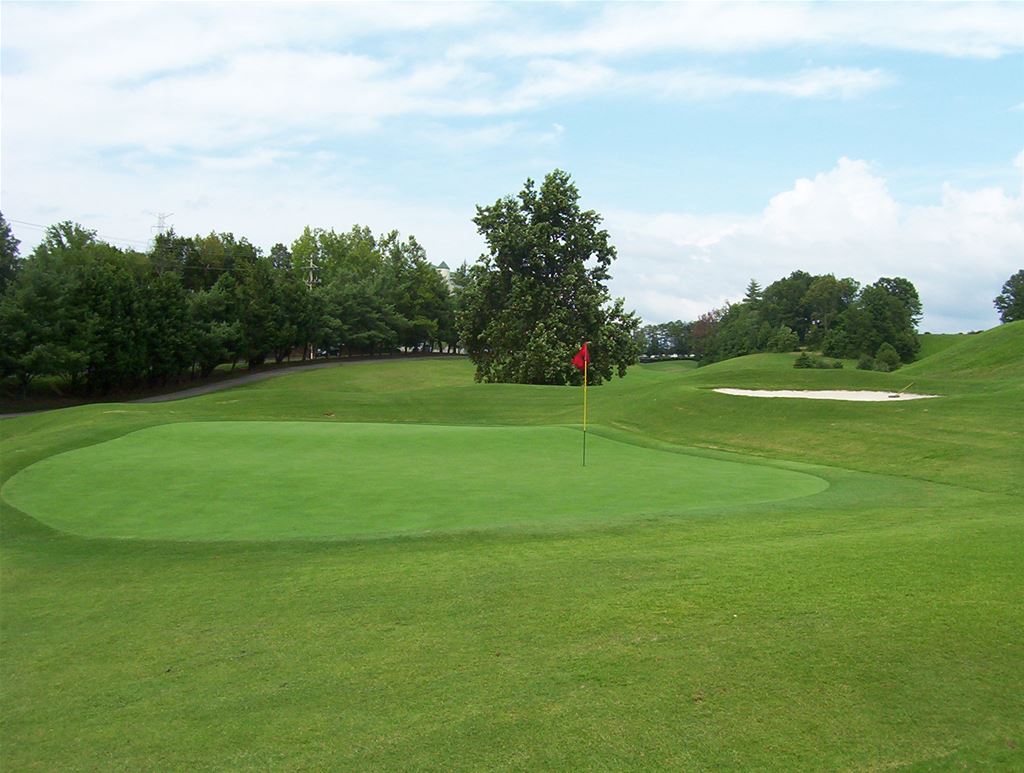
(582, 357)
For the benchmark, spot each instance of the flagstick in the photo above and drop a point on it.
(585, 412)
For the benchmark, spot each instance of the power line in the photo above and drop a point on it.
(161, 222)
(105, 237)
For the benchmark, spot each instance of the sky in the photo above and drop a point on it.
(720, 142)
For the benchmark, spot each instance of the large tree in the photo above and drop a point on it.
(8, 254)
(826, 298)
(784, 302)
(70, 312)
(1010, 302)
(540, 292)
(884, 312)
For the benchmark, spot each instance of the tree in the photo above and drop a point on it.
(178, 254)
(281, 258)
(702, 335)
(1010, 302)
(355, 316)
(826, 298)
(754, 293)
(784, 340)
(884, 312)
(33, 327)
(415, 290)
(65, 240)
(291, 330)
(540, 291)
(323, 256)
(836, 344)
(169, 336)
(259, 311)
(784, 303)
(104, 302)
(652, 340)
(8, 255)
(217, 332)
(904, 291)
(208, 257)
(886, 358)
(96, 321)
(738, 333)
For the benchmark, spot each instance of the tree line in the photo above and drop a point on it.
(839, 317)
(98, 317)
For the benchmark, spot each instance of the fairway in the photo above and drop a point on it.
(249, 480)
(392, 567)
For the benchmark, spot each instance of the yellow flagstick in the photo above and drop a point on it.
(586, 361)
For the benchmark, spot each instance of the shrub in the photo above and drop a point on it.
(836, 344)
(866, 362)
(806, 360)
(886, 358)
(784, 340)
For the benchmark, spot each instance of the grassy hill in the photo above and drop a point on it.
(933, 343)
(996, 353)
(870, 622)
(966, 436)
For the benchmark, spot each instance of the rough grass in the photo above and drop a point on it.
(873, 625)
(933, 343)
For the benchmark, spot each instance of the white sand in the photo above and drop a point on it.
(828, 394)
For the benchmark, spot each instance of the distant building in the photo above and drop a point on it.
(446, 274)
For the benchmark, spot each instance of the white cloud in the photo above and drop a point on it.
(633, 29)
(843, 221)
(824, 82)
(264, 197)
(157, 77)
(154, 39)
(262, 118)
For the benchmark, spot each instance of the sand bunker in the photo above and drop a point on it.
(828, 394)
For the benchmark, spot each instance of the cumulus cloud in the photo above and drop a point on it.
(622, 30)
(845, 221)
(153, 77)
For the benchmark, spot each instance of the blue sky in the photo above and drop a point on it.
(721, 142)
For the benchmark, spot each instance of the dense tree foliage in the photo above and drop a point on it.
(834, 315)
(886, 312)
(8, 254)
(1010, 302)
(667, 338)
(540, 292)
(99, 318)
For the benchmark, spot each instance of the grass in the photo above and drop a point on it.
(933, 343)
(874, 624)
(50, 392)
(208, 481)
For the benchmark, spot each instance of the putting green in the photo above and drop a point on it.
(252, 480)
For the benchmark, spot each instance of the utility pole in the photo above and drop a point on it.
(161, 223)
(309, 284)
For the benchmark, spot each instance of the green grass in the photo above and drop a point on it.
(208, 481)
(933, 343)
(874, 624)
(995, 354)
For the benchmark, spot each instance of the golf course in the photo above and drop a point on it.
(386, 565)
